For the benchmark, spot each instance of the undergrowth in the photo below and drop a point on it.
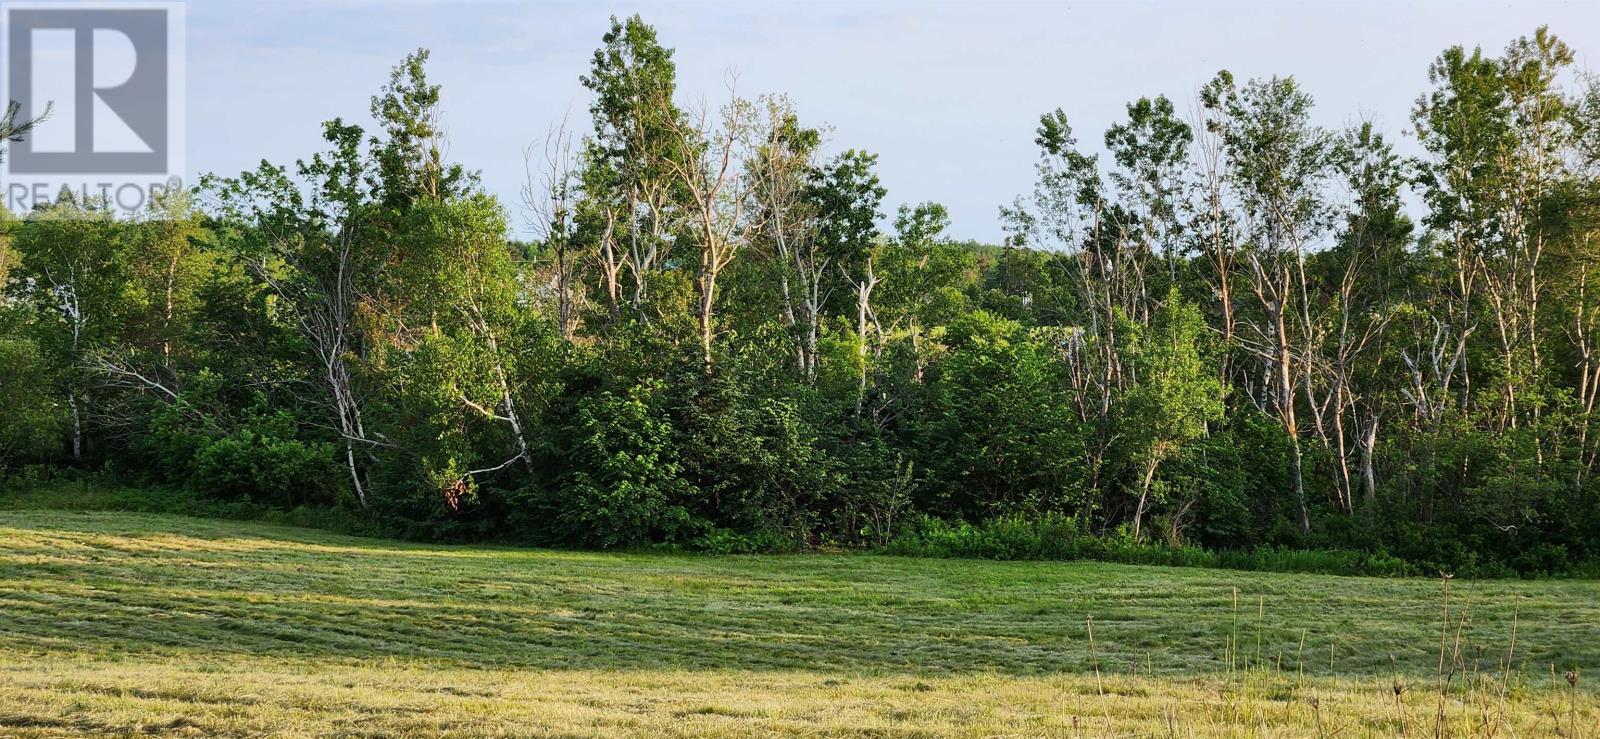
(1043, 538)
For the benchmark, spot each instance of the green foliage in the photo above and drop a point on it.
(410, 161)
(254, 464)
(1054, 537)
(1174, 398)
(627, 486)
(996, 433)
(247, 454)
(1190, 348)
(33, 422)
(847, 194)
(727, 541)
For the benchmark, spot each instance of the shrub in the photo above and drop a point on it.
(625, 482)
(1055, 537)
(728, 541)
(33, 420)
(251, 465)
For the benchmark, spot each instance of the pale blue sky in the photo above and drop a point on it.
(948, 94)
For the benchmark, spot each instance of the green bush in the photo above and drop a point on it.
(250, 465)
(728, 541)
(626, 484)
(996, 433)
(33, 419)
(252, 454)
(1060, 538)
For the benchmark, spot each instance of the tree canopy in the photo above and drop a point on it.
(1229, 331)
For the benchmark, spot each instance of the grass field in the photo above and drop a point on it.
(119, 623)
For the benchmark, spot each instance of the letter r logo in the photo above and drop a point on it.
(105, 72)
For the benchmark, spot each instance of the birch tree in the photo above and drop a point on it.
(1280, 165)
(782, 169)
(638, 136)
(708, 157)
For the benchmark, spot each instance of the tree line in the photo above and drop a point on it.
(1225, 328)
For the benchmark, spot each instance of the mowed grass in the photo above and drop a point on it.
(118, 623)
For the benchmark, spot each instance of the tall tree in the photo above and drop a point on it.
(708, 158)
(319, 258)
(636, 139)
(1150, 149)
(1361, 276)
(848, 195)
(1174, 396)
(74, 266)
(1280, 165)
(782, 167)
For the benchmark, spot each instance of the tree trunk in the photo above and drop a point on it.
(509, 403)
(1290, 426)
(610, 266)
(863, 311)
(813, 309)
(563, 291)
(77, 428)
(1346, 489)
(1144, 495)
(708, 293)
(349, 414)
(811, 348)
(355, 475)
(640, 266)
(166, 327)
(790, 320)
(916, 350)
(1369, 481)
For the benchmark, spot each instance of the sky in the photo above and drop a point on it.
(947, 94)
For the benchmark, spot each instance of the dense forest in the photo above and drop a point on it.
(1227, 328)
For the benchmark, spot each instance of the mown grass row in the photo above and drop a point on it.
(116, 621)
(256, 698)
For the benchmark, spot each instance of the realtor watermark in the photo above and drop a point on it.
(108, 77)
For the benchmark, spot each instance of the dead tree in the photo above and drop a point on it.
(708, 163)
(548, 197)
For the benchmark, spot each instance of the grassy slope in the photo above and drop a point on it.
(123, 622)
